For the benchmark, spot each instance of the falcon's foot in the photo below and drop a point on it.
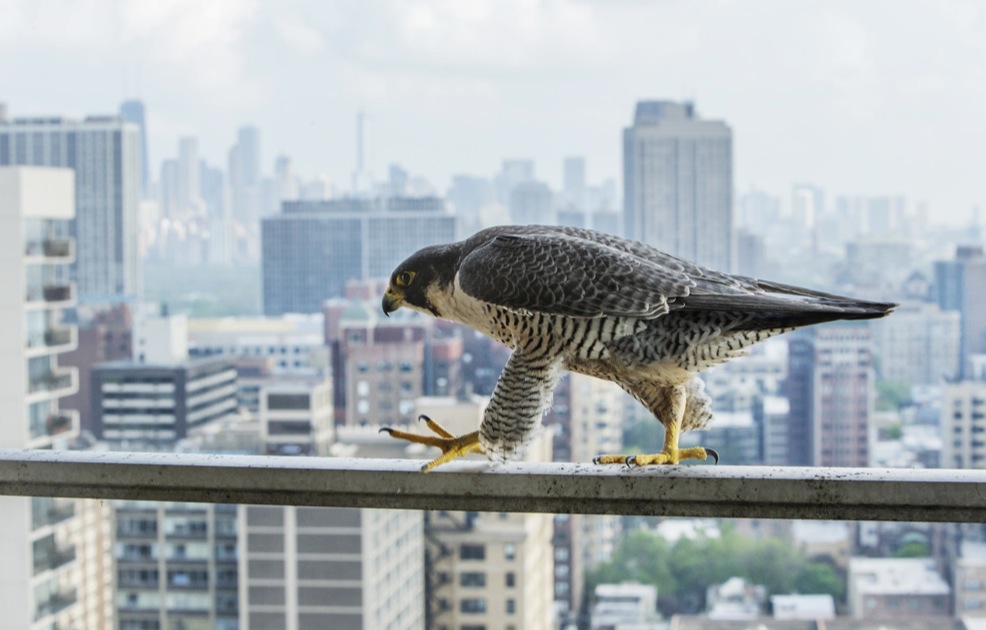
(667, 456)
(452, 446)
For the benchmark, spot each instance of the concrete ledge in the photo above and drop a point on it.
(701, 491)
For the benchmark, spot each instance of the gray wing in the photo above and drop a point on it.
(566, 275)
(584, 273)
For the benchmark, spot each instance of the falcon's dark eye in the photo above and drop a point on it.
(404, 278)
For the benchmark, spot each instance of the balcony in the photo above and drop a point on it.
(58, 423)
(56, 249)
(54, 294)
(52, 558)
(46, 511)
(55, 339)
(56, 603)
(61, 382)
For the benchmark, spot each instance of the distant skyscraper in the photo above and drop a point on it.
(960, 285)
(189, 186)
(531, 203)
(574, 182)
(512, 173)
(244, 176)
(168, 184)
(248, 142)
(133, 112)
(677, 172)
(287, 180)
(104, 151)
(214, 194)
(312, 248)
(468, 195)
(398, 180)
(807, 208)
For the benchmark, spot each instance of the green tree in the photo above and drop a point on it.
(819, 578)
(683, 571)
(891, 396)
(913, 549)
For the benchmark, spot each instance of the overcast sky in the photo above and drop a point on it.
(857, 97)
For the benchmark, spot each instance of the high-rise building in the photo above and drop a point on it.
(831, 390)
(678, 183)
(169, 189)
(492, 570)
(295, 415)
(243, 170)
(960, 285)
(345, 568)
(50, 576)
(150, 406)
(176, 565)
(189, 186)
(132, 111)
(312, 248)
(964, 419)
(340, 568)
(589, 418)
(104, 151)
(218, 213)
(104, 335)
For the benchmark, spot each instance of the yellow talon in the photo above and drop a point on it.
(452, 447)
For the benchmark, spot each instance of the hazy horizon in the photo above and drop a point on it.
(880, 98)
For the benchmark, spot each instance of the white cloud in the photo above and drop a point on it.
(196, 43)
(299, 36)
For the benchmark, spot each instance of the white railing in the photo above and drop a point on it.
(701, 491)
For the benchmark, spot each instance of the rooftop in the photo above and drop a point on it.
(897, 576)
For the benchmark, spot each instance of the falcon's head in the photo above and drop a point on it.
(423, 280)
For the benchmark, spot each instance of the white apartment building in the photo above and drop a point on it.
(49, 548)
(295, 344)
(963, 418)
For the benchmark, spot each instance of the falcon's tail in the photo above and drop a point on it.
(777, 305)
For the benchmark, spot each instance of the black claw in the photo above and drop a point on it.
(595, 460)
(423, 418)
(386, 430)
(630, 460)
(714, 454)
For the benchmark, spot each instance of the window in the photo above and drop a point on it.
(472, 580)
(511, 579)
(509, 551)
(473, 606)
(472, 552)
(511, 606)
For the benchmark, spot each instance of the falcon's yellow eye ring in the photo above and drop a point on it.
(404, 278)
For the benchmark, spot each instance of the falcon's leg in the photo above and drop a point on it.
(668, 405)
(452, 447)
(521, 397)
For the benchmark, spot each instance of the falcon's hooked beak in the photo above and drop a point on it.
(391, 301)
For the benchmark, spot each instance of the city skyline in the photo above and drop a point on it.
(853, 104)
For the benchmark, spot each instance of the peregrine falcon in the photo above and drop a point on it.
(576, 299)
